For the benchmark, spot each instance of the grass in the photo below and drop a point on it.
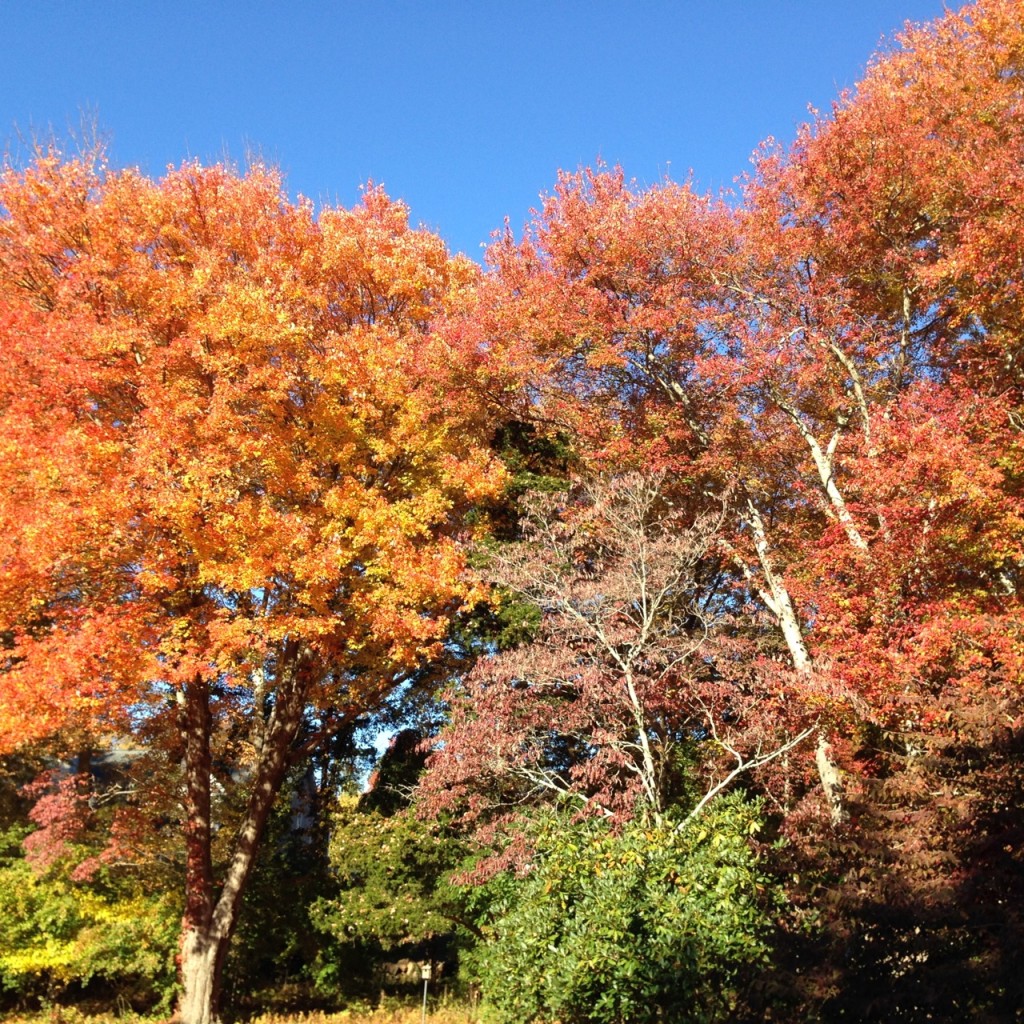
(353, 1015)
(380, 1016)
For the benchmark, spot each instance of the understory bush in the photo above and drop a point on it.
(658, 921)
(59, 932)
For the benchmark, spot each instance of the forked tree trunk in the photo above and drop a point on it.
(210, 917)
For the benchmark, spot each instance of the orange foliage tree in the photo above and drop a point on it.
(235, 463)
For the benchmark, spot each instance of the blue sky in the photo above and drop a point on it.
(466, 110)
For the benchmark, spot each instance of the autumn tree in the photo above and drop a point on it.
(903, 207)
(833, 350)
(618, 315)
(233, 477)
(833, 355)
(635, 697)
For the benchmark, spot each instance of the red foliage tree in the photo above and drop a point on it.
(637, 694)
(835, 359)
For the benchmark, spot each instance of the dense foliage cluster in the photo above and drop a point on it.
(651, 923)
(680, 551)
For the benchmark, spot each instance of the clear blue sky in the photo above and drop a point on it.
(465, 110)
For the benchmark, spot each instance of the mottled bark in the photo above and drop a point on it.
(831, 780)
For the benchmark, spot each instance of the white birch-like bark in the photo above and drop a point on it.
(824, 464)
(781, 606)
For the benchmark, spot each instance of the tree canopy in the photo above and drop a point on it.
(265, 470)
(233, 478)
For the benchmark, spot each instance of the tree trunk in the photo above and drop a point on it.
(781, 605)
(209, 918)
(831, 780)
(202, 963)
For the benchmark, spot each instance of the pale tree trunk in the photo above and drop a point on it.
(824, 463)
(209, 917)
(780, 605)
(831, 779)
(828, 771)
(776, 597)
(202, 966)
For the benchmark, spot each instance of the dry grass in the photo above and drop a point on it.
(405, 1015)
(361, 1015)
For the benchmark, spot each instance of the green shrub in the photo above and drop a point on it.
(656, 922)
(56, 932)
